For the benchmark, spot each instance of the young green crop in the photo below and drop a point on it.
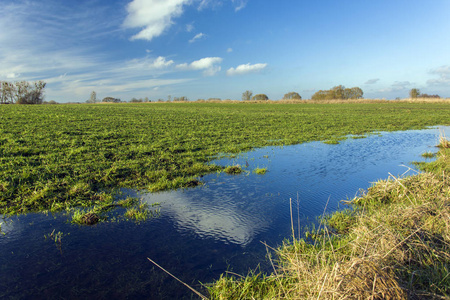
(55, 157)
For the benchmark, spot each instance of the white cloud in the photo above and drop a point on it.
(66, 56)
(229, 50)
(444, 76)
(401, 84)
(203, 4)
(12, 75)
(239, 4)
(397, 86)
(154, 16)
(213, 4)
(197, 37)
(190, 27)
(161, 62)
(143, 66)
(245, 69)
(372, 81)
(208, 64)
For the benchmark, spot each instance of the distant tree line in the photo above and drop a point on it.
(111, 100)
(292, 96)
(140, 100)
(260, 97)
(182, 99)
(415, 93)
(338, 92)
(22, 92)
(248, 95)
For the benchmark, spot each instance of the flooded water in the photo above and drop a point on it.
(202, 232)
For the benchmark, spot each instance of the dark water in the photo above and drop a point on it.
(202, 232)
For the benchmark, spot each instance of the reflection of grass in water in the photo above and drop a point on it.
(57, 157)
(393, 244)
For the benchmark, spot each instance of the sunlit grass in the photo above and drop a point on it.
(260, 171)
(233, 170)
(56, 157)
(428, 154)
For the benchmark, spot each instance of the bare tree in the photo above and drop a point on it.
(414, 93)
(7, 92)
(93, 98)
(27, 93)
(247, 95)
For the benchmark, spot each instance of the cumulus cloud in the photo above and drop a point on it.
(197, 37)
(152, 16)
(147, 63)
(372, 81)
(245, 69)
(209, 65)
(444, 76)
(161, 62)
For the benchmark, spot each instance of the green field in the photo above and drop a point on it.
(55, 157)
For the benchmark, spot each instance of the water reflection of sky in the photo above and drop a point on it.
(202, 232)
(222, 218)
(238, 208)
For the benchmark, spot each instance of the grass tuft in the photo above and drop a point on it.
(428, 154)
(135, 211)
(443, 141)
(260, 171)
(233, 170)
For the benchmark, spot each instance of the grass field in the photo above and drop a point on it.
(56, 157)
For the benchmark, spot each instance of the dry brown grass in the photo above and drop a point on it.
(443, 141)
(394, 249)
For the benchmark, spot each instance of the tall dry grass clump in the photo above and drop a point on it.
(393, 244)
(443, 141)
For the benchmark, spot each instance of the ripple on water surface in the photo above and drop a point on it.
(202, 231)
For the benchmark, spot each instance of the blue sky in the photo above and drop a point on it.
(220, 48)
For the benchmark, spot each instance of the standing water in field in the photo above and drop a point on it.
(201, 232)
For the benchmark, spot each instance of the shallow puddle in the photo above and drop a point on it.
(202, 232)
